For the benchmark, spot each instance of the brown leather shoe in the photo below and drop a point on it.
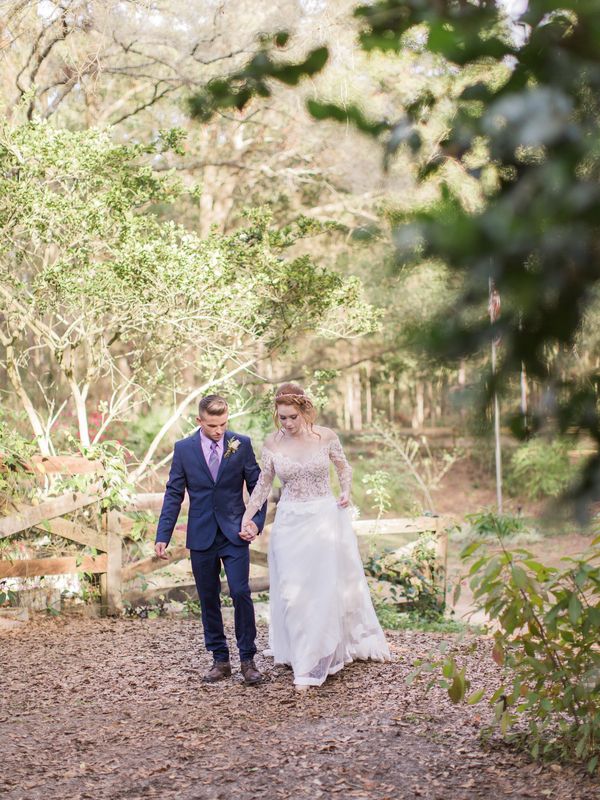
(251, 675)
(218, 671)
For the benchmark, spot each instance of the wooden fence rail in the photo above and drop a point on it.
(115, 526)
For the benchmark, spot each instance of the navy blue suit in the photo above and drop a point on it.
(214, 521)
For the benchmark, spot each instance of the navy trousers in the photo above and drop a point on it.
(206, 566)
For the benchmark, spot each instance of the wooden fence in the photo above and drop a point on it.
(47, 516)
(113, 528)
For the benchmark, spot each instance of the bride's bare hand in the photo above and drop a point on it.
(249, 531)
(344, 500)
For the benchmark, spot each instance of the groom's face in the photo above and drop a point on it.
(213, 425)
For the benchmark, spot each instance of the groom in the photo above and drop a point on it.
(213, 464)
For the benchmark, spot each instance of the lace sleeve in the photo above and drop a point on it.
(340, 462)
(262, 490)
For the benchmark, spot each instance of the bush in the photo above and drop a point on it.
(397, 487)
(391, 618)
(413, 574)
(16, 476)
(486, 524)
(540, 469)
(545, 623)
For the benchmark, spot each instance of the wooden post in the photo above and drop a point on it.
(441, 558)
(111, 588)
(494, 311)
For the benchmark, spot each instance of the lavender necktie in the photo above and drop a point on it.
(213, 460)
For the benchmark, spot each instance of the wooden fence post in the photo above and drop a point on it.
(111, 587)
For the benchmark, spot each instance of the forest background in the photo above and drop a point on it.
(169, 257)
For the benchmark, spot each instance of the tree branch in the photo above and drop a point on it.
(143, 466)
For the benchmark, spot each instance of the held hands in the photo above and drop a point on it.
(344, 500)
(249, 531)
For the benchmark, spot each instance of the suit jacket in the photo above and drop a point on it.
(213, 503)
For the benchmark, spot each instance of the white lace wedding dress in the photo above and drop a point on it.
(321, 614)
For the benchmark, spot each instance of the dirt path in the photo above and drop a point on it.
(115, 709)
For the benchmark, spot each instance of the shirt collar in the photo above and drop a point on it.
(207, 441)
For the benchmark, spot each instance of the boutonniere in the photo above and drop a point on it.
(232, 446)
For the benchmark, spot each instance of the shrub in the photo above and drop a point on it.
(413, 572)
(391, 618)
(545, 623)
(540, 469)
(16, 476)
(487, 523)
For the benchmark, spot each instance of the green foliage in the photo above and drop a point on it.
(15, 455)
(537, 236)
(7, 596)
(114, 483)
(400, 488)
(540, 468)
(420, 466)
(114, 296)
(378, 491)
(191, 607)
(139, 432)
(413, 573)
(521, 126)
(545, 630)
(151, 609)
(488, 524)
(252, 80)
(349, 114)
(391, 618)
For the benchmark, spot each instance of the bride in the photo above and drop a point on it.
(321, 611)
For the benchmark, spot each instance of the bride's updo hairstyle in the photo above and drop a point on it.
(291, 394)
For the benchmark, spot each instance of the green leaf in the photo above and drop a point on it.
(475, 697)
(448, 669)
(281, 38)
(498, 654)
(469, 550)
(347, 114)
(456, 692)
(575, 608)
(520, 577)
(457, 592)
(292, 74)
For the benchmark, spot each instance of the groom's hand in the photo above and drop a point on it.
(160, 548)
(249, 531)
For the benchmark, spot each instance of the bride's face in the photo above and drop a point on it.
(290, 419)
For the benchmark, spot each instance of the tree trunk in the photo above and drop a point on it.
(348, 402)
(79, 398)
(368, 396)
(357, 418)
(430, 412)
(462, 381)
(34, 419)
(419, 411)
(524, 392)
(146, 461)
(392, 403)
